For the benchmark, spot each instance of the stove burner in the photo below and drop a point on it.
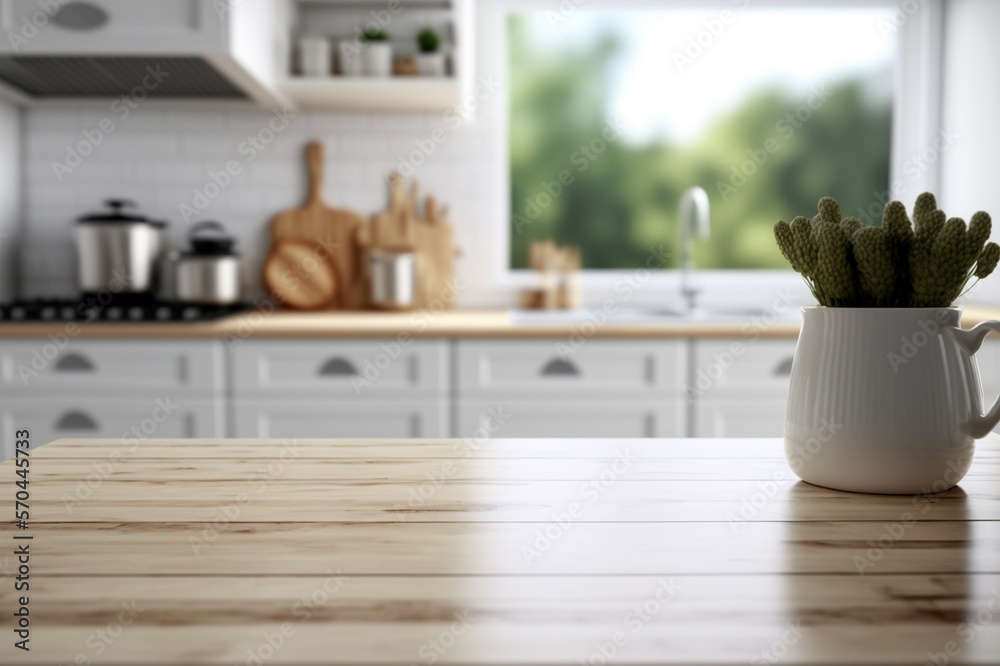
(129, 309)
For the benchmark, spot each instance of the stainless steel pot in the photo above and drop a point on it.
(116, 251)
(393, 278)
(210, 271)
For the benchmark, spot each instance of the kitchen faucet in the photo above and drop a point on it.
(692, 217)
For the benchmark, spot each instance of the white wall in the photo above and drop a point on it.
(160, 154)
(10, 195)
(970, 179)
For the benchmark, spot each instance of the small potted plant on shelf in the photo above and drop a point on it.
(377, 53)
(885, 394)
(430, 61)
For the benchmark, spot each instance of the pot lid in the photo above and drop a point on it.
(116, 214)
(209, 239)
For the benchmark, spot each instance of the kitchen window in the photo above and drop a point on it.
(614, 112)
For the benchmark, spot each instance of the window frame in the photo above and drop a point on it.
(916, 122)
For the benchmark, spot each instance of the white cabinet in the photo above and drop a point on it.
(599, 367)
(740, 418)
(116, 389)
(66, 366)
(381, 388)
(739, 387)
(342, 369)
(122, 420)
(274, 418)
(341, 388)
(111, 26)
(520, 418)
(603, 388)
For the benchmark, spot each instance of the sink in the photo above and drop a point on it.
(637, 315)
(621, 315)
(727, 312)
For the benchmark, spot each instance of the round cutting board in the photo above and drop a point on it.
(300, 277)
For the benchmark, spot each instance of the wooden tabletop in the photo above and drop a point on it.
(256, 323)
(491, 552)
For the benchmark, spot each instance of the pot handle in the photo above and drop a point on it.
(202, 227)
(972, 340)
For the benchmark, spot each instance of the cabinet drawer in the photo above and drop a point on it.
(609, 367)
(340, 368)
(740, 418)
(124, 420)
(83, 367)
(323, 419)
(512, 418)
(118, 26)
(744, 366)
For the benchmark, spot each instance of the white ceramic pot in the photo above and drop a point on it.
(315, 58)
(886, 400)
(430, 64)
(349, 58)
(377, 59)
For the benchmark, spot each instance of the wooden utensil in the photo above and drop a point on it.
(399, 229)
(298, 277)
(331, 233)
(395, 228)
(436, 246)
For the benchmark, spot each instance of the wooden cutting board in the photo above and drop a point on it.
(331, 232)
(431, 237)
(298, 279)
(436, 246)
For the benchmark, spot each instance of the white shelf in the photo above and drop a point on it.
(396, 93)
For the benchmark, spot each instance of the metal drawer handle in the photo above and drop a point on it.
(80, 16)
(74, 363)
(338, 367)
(559, 367)
(784, 368)
(76, 421)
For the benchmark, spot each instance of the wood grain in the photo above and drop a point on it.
(700, 551)
(431, 237)
(299, 278)
(435, 324)
(330, 231)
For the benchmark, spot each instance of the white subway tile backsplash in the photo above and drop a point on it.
(52, 144)
(136, 144)
(221, 147)
(197, 120)
(53, 197)
(160, 156)
(53, 118)
(321, 123)
(364, 145)
(400, 122)
(275, 173)
(187, 172)
(343, 174)
(144, 170)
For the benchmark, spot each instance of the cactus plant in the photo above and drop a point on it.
(927, 264)
(373, 34)
(428, 40)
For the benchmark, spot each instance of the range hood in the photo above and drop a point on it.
(160, 49)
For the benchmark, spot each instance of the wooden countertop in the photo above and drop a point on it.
(461, 323)
(496, 552)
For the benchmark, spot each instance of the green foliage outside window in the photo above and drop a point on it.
(575, 179)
